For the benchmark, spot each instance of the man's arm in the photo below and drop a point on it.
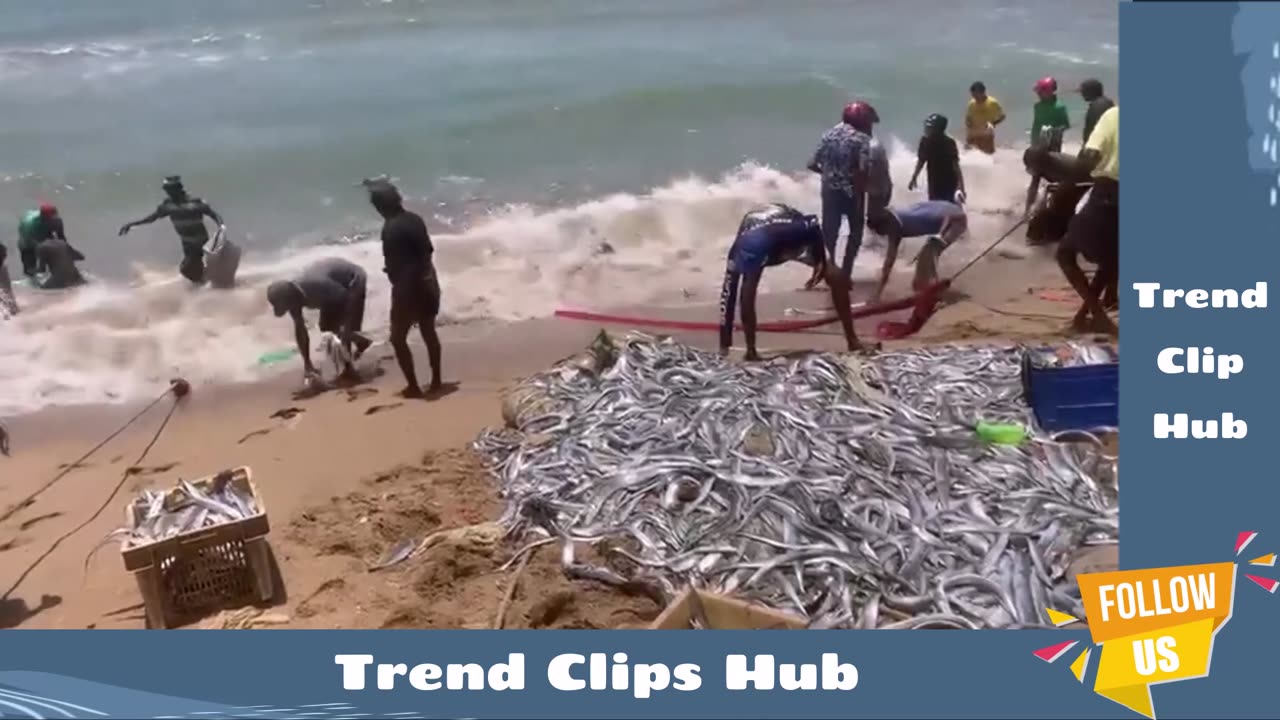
(58, 229)
(915, 175)
(814, 165)
(999, 112)
(890, 257)
(154, 216)
(955, 163)
(750, 284)
(303, 339)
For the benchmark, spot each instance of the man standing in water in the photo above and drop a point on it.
(336, 288)
(415, 289)
(938, 152)
(56, 257)
(767, 237)
(1049, 121)
(843, 159)
(187, 214)
(981, 119)
(35, 227)
(1091, 92)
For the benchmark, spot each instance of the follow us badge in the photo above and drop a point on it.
(1154, 625)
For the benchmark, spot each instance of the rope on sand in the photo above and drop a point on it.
(179, 388)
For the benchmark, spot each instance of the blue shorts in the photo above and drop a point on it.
(926, 218)
(771, 245)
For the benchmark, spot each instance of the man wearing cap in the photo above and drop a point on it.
(415, 289)
(35, 227)
(187, 214)
(336, 288)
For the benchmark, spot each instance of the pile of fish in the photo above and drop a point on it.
(1072, 355)
(159, 515)
(850, 490)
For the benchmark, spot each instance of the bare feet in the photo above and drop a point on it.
(752, 355)
(411, 392)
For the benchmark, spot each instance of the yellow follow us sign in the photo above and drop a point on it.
(1155, 626)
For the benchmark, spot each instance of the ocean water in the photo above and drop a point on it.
(527, 133)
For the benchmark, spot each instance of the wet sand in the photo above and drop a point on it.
(349, 473)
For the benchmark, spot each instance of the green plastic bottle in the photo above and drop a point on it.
(276, 356)
(1001, 433)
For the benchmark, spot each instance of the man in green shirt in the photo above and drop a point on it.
(35, 227)
(1049, 122)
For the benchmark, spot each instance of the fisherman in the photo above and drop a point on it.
(842, 158)
(938, 152)
(35, 227)
(940, 221)
(1094, 232)
(1098, 103)
(770, 236)
(1049, 122)
(187, 214)
(56, 257)
(336, 288)
(981, 118)
(415, 290)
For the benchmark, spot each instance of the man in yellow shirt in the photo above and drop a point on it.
(980, 121)
(1094, 231)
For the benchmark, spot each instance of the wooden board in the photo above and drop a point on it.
(724, 613)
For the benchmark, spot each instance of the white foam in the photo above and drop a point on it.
(109, 343)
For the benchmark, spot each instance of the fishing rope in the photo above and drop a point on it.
(66, 470)
(990, 247)
(123, 477)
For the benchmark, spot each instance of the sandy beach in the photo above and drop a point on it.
(349, 473)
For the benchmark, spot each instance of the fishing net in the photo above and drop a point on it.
(850, 490)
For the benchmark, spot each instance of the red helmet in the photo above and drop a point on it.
(860, 115)
(1046, 85)
(48, 209)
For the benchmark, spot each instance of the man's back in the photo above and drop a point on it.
(406, 247)
(327, 281)
(187, 216)
(843, 157)
(59, 258)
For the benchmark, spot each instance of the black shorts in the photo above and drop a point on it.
(333, 317)
(415, 300)
(1095, 230)
(1050, 220)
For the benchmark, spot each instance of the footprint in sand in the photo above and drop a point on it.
(33, 521)
(357, 393)
(253, 434)
(379, 408)
(287, 413)
(12, 543)
(151, 470)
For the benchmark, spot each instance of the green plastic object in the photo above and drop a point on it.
(1002, 433)
(276, 356)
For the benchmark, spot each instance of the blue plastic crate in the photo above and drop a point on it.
(1086, 397)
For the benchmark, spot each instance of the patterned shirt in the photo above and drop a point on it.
(843, 158)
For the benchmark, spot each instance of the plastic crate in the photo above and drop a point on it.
(186, 576)
(1086, 397)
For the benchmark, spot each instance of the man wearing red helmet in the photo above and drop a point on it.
(35, 227)
(843, 158)
(1048, 123)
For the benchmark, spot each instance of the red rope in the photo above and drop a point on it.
(925, 298)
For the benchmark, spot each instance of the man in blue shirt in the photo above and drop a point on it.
(767, 237)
